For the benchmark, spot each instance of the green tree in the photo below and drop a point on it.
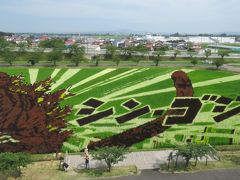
(111, 155)
(75, 49)
(9, 56)
(142, 50)
(176, 53)
(55, 56)
(111, 51)
(194, 61)
(186, 151)
(34, 58)
(76, 54)
(223, 52)
(204, 150)
(196, 151)
(136, 59)
(22, 48)
(77, 58)
(158, 56)
(97, 59)
(219, 62)
(3, 44)
(208, 53)
(117, 60)
(52, 43)
(191, 53)
(11, 163)
(127, 52)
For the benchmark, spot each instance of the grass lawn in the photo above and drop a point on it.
(48, 170)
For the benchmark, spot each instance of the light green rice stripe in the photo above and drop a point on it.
(33, 73)
(139, 86)
(67, 75)
(199, 84)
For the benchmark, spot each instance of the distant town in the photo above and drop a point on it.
(96, 43)
(108, 46)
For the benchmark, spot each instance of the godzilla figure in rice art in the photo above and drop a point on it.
(31, 119)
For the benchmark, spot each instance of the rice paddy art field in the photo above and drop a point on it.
(109, 101)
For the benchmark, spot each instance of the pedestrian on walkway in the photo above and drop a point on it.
(87, 161)
(86, 156)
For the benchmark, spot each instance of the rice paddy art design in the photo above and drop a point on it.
(139, 108)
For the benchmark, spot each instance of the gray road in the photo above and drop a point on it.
(230, 174)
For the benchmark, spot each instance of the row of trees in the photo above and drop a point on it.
(76, 53)
(192, 151)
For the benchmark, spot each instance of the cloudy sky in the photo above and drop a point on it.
(188, 16)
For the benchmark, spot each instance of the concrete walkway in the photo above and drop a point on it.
(231, 68)
(143, 160)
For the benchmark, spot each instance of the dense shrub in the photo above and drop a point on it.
(11, 164)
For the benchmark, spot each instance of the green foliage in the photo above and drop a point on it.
(136, 59)
(77, 58)
(96, 58)
(52, 43)
(223, 52)
(158, 57)
(141, 49)
(11, 163)
(177, 52)
(208, 53)
(111, 155)
(195, 151)
(54, 56)
(127, 52)
(219, 62)
(76, 50)
(34, 58)
(117, 60)
(111, 51)
(22, 46)
(9, 56)
(194, 61)
(191, 53)
(3, 43)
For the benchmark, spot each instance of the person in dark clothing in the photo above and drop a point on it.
(87, 161)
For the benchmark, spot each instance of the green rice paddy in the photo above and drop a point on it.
(147, 86)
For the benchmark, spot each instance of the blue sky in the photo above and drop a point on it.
(188, 16)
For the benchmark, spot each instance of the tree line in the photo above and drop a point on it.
(76, 54)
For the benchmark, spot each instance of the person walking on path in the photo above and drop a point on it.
(86, 156)
(87, 161)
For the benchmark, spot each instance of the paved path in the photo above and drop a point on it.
(231, 68)
(143, 160)
(226, 174)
